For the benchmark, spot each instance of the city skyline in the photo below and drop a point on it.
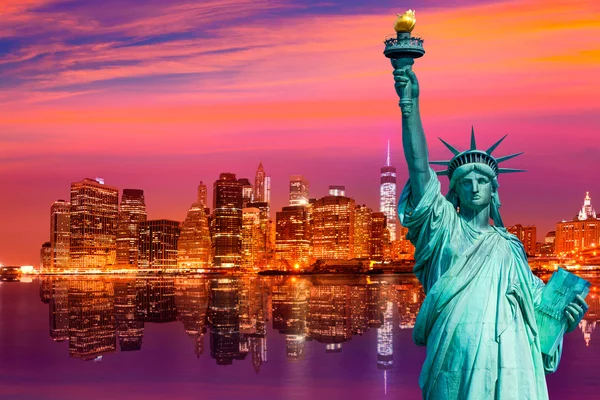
(156, 99)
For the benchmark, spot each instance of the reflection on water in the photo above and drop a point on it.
(98, 315)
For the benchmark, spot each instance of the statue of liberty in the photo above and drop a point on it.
(478, 319)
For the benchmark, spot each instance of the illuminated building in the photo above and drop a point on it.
(193, 246)
(128, 321)
(547, 247)
(156, 300)
(527, 235)
(45, 289)
(202, 194)
(385, 339)
(586, 210)
(262, 187)
(329, 319)
(298, 191)
(92, 329)
(59, 310)
(333, 228)
(226, 224)
(223, 317)
(46, 257)
(247, 191)
(362, 232)
(337, 190)
(410, 296)
(387, 195)
(253, 238)
(581, 233)
(359, 309)
(93, 233)
(60, 233)
(158, 244)
(131, 212)
(265, 241)
(379, 235)
(292, 236)
(191, 300)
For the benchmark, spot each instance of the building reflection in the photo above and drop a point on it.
(100, 316)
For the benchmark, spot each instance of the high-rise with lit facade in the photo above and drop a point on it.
(527, 235)
(247, 191)
(333, 228)
(226, 224)
(93, 232)
(298, 191)
(362, 232)
(202, 194)
(387, 195)
(158, 244)
(60, 233)
(131, 213)
(262, 186)
(293, 236)
(193, 246)
(253, 249)
(46, 256)
(580, 233)
(379, 235)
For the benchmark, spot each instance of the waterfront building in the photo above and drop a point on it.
(387, 195)
(362, 232)
(60, 233)
(224, 320)
(581, 233)
(226, 224)
(527, 236)
(202, 194)
(265, 236)
(379, 236)
(193, 245)
(191, 301)
(59, 309)
(93, 230)
(253, 238)
(158, 244)
(46, 257)
(337, 190)
(128, 320)
(299, 191)
(156, 300)
(131, 212)
(333, 227)
(329, 320)
(293, 236)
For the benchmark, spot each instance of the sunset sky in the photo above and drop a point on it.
(160, 95)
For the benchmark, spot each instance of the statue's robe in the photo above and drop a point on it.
(478, 319)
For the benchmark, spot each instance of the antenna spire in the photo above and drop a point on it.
(387, 164)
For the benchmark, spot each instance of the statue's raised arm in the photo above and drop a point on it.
(413, 137)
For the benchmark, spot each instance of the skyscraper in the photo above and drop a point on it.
(253, 249)
(527, 236)
(298, 191)
(193, 247)
(580, 233)
(226, 224)
(247, 191)
(202, 194)
(93, 233)
(262, 187)
(380, 235)
(362, 232)
(292, 240)
(158, 244)
(46, 256)
(131, 213)
(60, 233)
(387, 195)
(333, 228)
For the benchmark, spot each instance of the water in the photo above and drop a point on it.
(237, 337)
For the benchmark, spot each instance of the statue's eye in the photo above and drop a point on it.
(482, 181)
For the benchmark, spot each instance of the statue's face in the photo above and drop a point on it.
(475, 191)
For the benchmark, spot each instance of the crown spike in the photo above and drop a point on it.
(450, 147)
(504, 158)
(473, 144)
(510, 170)
(491, 149)
(439, 162)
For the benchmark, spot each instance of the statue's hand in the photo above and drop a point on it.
(406, 82)
(575, 312)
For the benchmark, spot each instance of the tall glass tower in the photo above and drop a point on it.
(387, 195)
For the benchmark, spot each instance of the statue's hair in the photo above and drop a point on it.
(484, 169)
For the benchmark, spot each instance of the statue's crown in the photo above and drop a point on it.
(475, 156)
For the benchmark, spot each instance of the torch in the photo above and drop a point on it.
(402, 51)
